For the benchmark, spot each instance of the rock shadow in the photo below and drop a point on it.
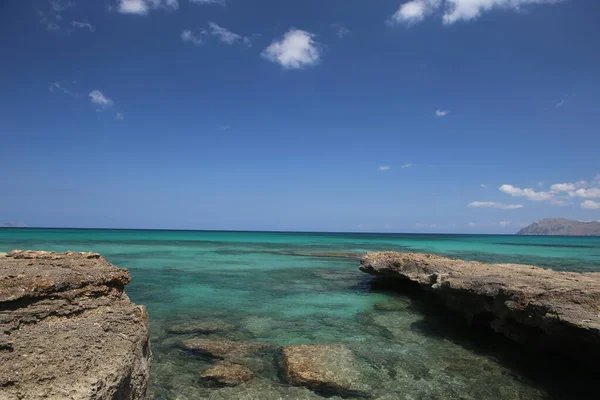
(558, 376)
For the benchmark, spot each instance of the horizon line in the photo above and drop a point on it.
(260, 231)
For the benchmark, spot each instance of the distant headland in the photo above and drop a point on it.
(562, 227)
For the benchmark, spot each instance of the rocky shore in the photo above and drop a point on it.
(548, 311)
(68, 330)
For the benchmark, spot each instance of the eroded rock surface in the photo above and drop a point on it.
(327, 369)
(68, 330)
(544, 309)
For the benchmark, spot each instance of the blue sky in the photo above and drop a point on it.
(341, 115)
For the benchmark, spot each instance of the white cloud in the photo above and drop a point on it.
(540, 184)
(483, 185)
(441, 113)
(493, 204)
(591, 193)
(119, 116)
(340, 30)
(559, 193)
(430, 226)
(414, 11)
(407, 165)
(467, 10)
(54, 86)
(562, 187)
(528, 193)
(471, 224)
(385, 168)
(141, 7)
(297, 49)
(456, 10)
(226, 35)
(504, 223)
(590, 205)
(188, 36)
(100, 99)
(568, 187)
(61, 5)
(83, 25)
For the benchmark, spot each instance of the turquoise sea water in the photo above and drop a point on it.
(292, 288)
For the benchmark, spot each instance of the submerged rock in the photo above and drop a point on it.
(263, 389)
(222, 349)
(546, 310)
(327, 369)
(228, 374)
(201, 327)
(68, 330)
(390, 306)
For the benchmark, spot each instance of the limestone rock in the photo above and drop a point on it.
(328, 369)
(228, 374)
(546, 310)
(68, 330)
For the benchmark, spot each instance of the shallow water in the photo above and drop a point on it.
(284, 288)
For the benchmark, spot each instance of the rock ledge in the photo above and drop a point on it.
(68, 330)
(546, 310)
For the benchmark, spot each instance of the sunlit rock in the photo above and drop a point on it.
(68, 330)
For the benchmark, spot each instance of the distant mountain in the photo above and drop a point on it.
(562, 227)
